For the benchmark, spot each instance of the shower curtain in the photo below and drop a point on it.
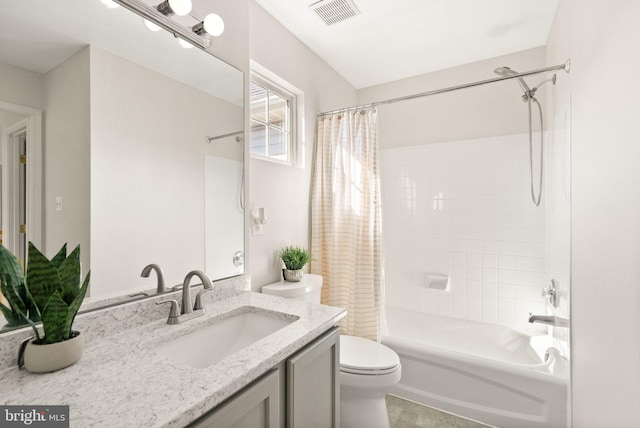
(346, 226)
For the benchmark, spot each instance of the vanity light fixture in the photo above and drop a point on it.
(157, 17)
(175, 7)
(212, 25)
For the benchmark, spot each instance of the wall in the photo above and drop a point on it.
(284, 190)
(22, 87)
(8, 118)
(482, 111)
(601, 40)
(464, 209)
(67, 156)
(151, 211)
(63, 95)
(557, 190)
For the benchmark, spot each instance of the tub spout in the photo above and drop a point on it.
(549, 320)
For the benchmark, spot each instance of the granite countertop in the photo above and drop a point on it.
(121, 381)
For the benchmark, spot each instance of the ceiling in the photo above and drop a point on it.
(392, 40)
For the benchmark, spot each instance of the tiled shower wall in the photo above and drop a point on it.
(464, 209)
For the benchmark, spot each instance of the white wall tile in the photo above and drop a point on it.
(474, 286)
(464, 209)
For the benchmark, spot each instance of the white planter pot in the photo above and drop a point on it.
(55, 356)
(293, 275)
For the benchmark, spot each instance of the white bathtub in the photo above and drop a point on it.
(485, 372)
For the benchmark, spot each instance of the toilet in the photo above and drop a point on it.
(368, 370)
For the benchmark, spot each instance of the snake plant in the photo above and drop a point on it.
(13, 288)
(51, 291)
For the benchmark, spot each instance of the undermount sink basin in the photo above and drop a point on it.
(215, 341)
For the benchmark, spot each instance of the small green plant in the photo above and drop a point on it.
(51, 291)
(295, 258)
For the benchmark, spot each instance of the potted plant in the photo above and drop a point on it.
(54, 294)
(294, 259)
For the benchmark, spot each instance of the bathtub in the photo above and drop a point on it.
(488, 373)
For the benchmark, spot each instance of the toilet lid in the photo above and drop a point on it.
(363, 356)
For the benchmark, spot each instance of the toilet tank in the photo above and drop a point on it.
(308, 289)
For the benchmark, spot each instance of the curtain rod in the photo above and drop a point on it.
(217, 137)
(566, 67)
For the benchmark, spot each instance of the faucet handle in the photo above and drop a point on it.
(174, 312)
(198, 303)
(552, 293)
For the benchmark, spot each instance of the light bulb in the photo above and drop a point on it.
(175, 7)
(110, 4)
(180, 7)
(213, 24)
(184, 43)
(150, 25)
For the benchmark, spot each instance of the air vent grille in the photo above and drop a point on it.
(333, 11)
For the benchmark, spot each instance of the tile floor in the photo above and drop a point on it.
(407, 414)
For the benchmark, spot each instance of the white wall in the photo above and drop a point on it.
(8, 118)
(283, 190)
(601, 39)
(66, 156)
(147, 179)
(482, 111)
(463, 209)
(20, 86)
(63, 95)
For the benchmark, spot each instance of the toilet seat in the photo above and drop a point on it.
(366, 357)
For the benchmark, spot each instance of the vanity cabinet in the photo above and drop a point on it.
(313, 384)
(301, 392)
(257, 406)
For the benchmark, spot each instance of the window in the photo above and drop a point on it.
(272, 121)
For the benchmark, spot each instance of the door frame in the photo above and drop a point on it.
(34, 189)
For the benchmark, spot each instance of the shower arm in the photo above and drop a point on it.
(531, 93)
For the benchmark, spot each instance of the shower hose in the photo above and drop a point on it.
(536, 199)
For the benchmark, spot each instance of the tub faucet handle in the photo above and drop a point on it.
(552, 293)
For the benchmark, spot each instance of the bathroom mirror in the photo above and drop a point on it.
(132, 169)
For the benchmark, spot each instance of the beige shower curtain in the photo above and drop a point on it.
(346, 227)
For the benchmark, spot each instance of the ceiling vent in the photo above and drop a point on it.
(332, 11)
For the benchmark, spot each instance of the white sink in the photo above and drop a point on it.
(215, 341)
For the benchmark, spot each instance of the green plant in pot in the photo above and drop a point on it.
(294, 259)
(54, 293)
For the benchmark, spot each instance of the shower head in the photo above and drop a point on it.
(506, 71)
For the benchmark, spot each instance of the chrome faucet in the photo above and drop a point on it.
(549, 320)
(186, 311)
(147, 270)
